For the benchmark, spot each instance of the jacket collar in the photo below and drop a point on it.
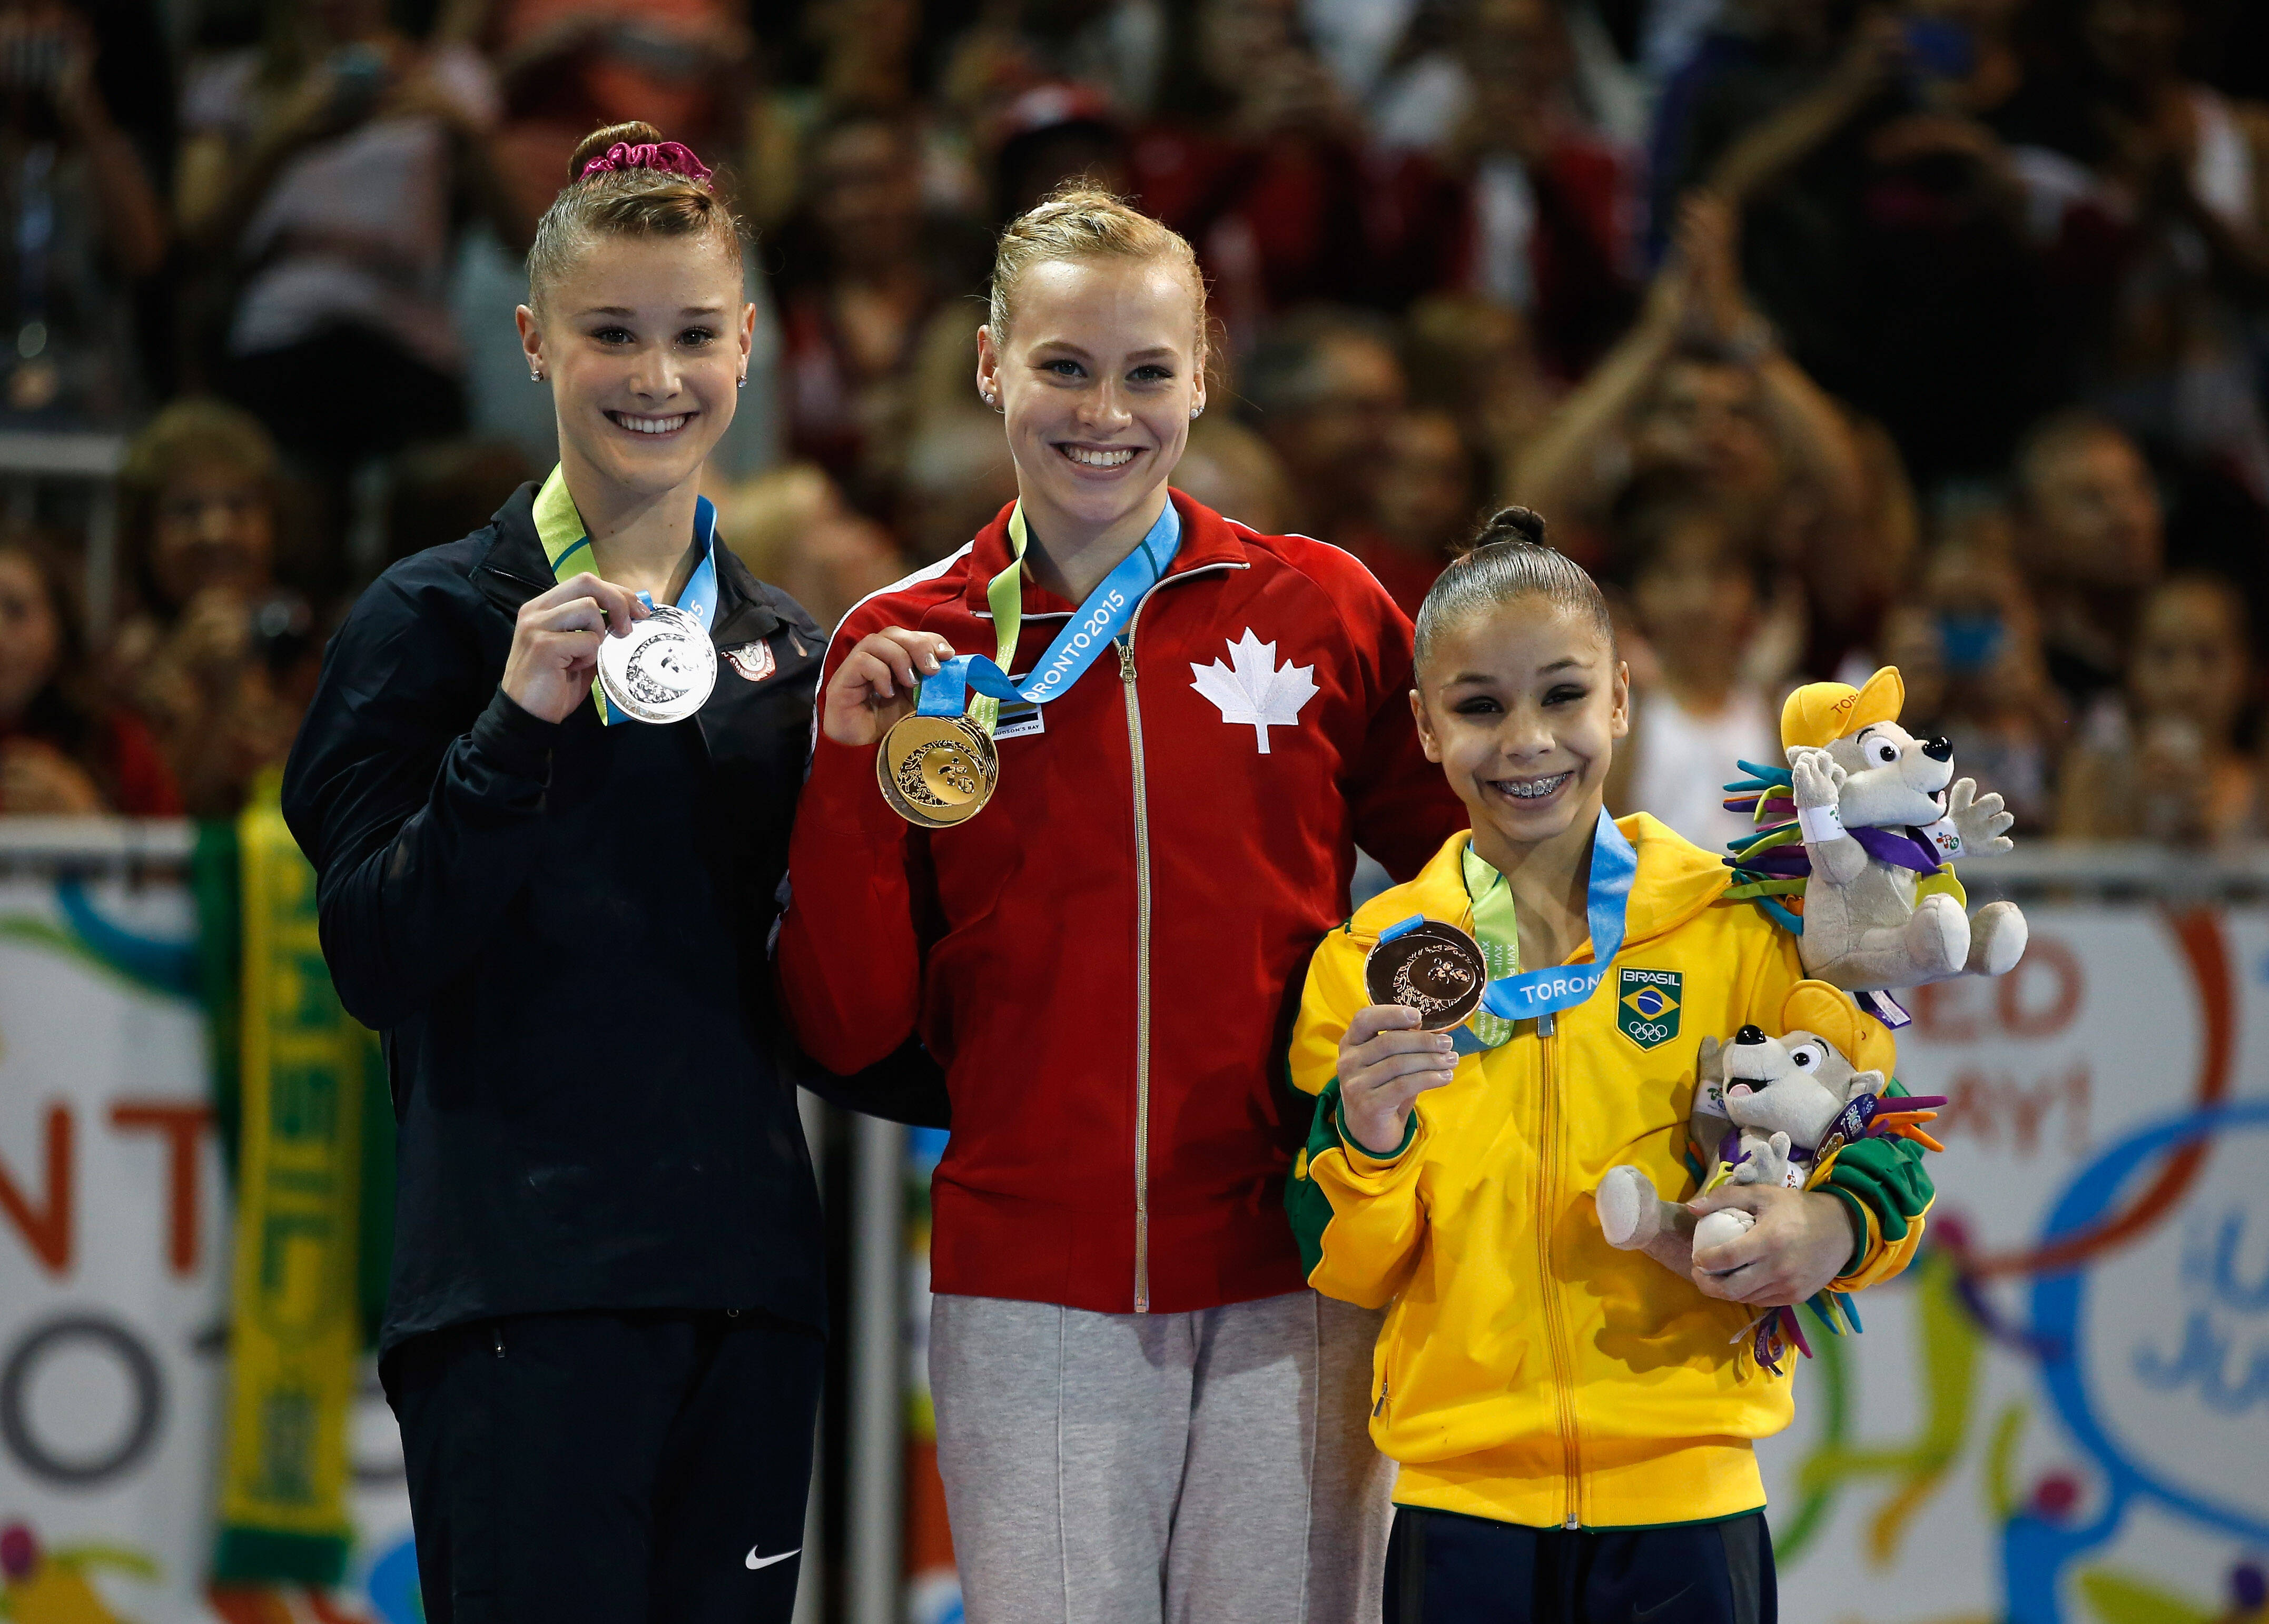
(515, 569)
(1209, 540)
(1676, 879)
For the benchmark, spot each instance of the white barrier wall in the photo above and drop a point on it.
(2076, 1425)
(113, 1270)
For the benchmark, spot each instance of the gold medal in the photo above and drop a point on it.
(938, 770)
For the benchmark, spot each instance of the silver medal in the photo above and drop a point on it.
(663, 671)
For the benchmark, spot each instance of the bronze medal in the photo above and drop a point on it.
(938, 770)
(1433, 968)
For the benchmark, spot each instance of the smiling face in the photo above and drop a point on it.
(1096, 379)
(1521, 703)
(643, 339)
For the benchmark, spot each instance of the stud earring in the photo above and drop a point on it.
(741, 382)
(993, 401)
(1196, 412)
(535, 374)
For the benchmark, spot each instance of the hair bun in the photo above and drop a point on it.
(1513, 524)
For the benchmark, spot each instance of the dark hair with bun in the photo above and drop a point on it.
(1509, 559)
(626, 180)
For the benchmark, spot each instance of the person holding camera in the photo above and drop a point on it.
(319, 179)
(216, 656)
(82, 224)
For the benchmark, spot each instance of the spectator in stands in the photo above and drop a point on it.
(1700, 706)
(1886, 225)
(2181, 223)
(324, 171)
(1325, 391)
(62, 753)
(84, 225)
(2174, 767)
(864, 271)
(2090, 540)
(792, 528)
(562, 66)
(1969, 644)
(1476, 359)
(214, 658)
(1263, 162)
(1231, 470)
(1052, 133)
(1422, 507)
(1699, 384)
(1550, 203)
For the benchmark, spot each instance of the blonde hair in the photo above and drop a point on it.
(638, 194)
(1079, 222)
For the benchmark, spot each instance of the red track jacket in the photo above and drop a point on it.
(1106, 960)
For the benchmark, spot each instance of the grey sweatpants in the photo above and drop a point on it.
(1212, 1467)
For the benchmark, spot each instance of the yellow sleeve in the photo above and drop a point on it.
(1880, 1260)
(1357, 1216)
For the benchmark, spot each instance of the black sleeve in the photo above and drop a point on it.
(413, 788)
(906, 1086)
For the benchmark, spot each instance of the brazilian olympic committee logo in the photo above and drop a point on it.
(1646, 1005)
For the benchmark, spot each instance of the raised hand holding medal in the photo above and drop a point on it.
(938, 767)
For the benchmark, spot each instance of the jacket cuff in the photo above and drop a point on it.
(515, 740)
(1867, 1236)
(1885, 1176)
(1361, 1158)
(856, 811)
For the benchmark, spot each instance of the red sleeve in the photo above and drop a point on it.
(146, 783)
(850, 956)
(1403, 806)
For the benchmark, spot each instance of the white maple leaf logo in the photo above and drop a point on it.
(1253, 689)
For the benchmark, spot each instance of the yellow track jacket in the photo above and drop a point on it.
(1528, 1371)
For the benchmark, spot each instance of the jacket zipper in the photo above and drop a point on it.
(1126, 645)
(1547, 1205)
(1141, 976)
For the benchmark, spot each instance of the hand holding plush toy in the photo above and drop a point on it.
(1769, 1111)
(1858, 867)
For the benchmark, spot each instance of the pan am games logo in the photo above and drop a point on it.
(1646, 1005)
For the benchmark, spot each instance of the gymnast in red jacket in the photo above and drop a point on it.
(1142, 1411)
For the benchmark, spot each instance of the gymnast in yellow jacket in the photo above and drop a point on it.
(1573, 1423)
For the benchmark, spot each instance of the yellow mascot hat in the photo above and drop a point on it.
(1819, 713)
(1817, 1007)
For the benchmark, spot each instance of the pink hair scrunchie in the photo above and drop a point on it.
(670, 157)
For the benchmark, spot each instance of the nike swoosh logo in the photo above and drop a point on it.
(754, 1561)
(1639, 1614)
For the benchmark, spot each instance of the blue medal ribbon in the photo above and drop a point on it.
(1534, 992)
(1105, 614)
(699, 598)
(559, 527)
(1530, 993)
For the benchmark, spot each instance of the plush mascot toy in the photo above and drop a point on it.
(1772, 1111)
(1857, 832)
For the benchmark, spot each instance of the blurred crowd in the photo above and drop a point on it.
(1828, 334)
